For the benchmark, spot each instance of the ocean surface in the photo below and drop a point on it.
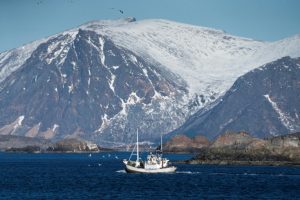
(102, 176)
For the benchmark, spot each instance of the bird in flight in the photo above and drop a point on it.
(39, 2)
(121, 11)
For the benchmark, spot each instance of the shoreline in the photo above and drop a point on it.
(189, 162)
(243, 163)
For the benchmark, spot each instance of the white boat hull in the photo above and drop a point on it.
(155, 163)
(132, 169)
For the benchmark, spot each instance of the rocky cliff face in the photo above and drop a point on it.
(286, 141)
(236, 140)
(28, 144)
(182, 143)
(18, 142)
(264, 102)
(243, 149)
(73, 145)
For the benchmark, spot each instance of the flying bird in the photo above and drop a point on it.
(121, 11)
(39, 2)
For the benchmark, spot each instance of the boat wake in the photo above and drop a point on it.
(264, 174)
(121, 171)
(187, 172)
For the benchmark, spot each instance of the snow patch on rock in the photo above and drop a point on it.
(284, 118)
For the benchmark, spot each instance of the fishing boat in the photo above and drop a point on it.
(155, 163)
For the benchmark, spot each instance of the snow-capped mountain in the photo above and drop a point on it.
(264, 102)
(104, 79)
(84, 85)
(204, 57)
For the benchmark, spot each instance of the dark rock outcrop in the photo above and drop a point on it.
(13, 143)
(73, 145)
(241, 148)
(26, 149)
(21, 143)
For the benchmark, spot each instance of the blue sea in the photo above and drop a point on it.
(101, 176)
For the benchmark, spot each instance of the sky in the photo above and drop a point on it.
(23, 21)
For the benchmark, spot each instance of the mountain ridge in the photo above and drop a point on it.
(186, 68)
(263, 102)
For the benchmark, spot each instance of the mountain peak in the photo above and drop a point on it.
(96, 24)
(264, 102)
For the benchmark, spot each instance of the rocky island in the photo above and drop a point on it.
(240, 148)
(14, 143)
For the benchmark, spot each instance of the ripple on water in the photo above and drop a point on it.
(78, 176)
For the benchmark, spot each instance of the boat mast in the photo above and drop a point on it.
(137, 146)
(161, 149)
